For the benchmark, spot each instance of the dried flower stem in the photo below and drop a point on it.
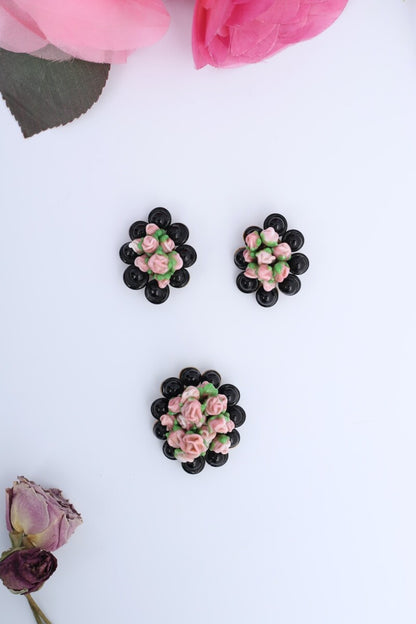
(40, 617)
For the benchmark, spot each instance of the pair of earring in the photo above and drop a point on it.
(158, 257)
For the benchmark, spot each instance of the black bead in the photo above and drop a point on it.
(171, 387)
(212, 377)
(267, 299)
(159, 407)
(154, 294)
(216, 459)
(294, 239)
(231, 392)
(137, 229)
(246, 284)
(161, 217)
(291, 285)
(134, 278)
(159, 430)
(277, 222)
(190, 376)
(179, 279)
(250, 229)
(194, 467)
(234, 438)
(168, 451)
(239, 259)
(299, 263)
(127, 254)
(179, 233)
(188, 255)
(237, 415)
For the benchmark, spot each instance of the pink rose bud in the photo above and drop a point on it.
(175, 438)
(178, 261)
(150, 244)
(221, 444)
(265, 257)
(270, 236)
(247, 256)
(206, 434)
(141, 263)
(253, 240)
(282, 251)
(264, 273)
(219, 425)
(268, 286)
(191, 392)
(158, 264)
(250, 272)
(45, 518)
(281, 272)
(193, 444)
(136, 245)
(184, 457)
(230, 425)
(191, 414)
(151, 228)
(25, 571)
(167, 421)
(163, 283)
(216, 405)
(174, 405)
(168, 245)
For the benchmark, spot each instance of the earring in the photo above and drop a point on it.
(157, 256)
(270, 261)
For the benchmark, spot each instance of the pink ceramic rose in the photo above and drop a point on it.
(216, 405)
(264, 272)
(219, 425)
(206, 434)
(221, 444)
(178, 261)
(230, 425)
(136, 243)
(174, 404)
(265, 257)
(282, 251)
(168, 245)
(191, 414)
(167, 421)
(150, 244)
(193, 444)
(175, 438)
(253, 240)
(184, 457)
(191, 392)
(250, 272)
(158, 264)
(268, 286)
(151, 228)
(270, 236)
(141, 263)
(234, 32)
(44, 517)
(246, 255)
(102, 31)
(279, 277)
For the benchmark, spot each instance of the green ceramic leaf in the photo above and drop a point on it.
(44, 94)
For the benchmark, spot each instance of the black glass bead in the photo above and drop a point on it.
(239, 259)
(171, 387)
(154, 294)
(237, 415)
(178, 232)
(161, 217)
(159, 430)
(299, 263)
(159, 407)
(212, 377)
(267, 299)
(179, 279)
(168, 451)
(231, 392)
(134, 278)
(137, 229)
(277, 222)
(194, 467)
(234, 438)
(190, 376)
(246, 284)
(188, 255)
(127, 254)
(291, 285)
(250, 229)
(216, 459)
(294, 239)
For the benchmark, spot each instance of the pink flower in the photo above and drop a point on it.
(253, 240)
(158, 264)
(234, 32)
(265, 273)
(191, 392)
(206, 434)
(281, 275)
(136, 243)
(250, 272)
(184, 457)
(151, 228)
(191, 414)
(150, 244)
(282, 251)
(219, 425)
(102, 31)
(268, 286)
(216, 405)
(175, 438)
(46, 518)
(174, 405)
(168, 245)
(141, 263)
(221, 444)
(246, 255)
(265, 257)
(163, 283)
(270, 236)
(230, 425)
(167, 421)
(178, 261)
(193, 444)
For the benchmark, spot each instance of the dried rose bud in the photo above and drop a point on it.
(44, 517)
(25, 571)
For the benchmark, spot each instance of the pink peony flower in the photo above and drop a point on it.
(191, 414)
(158, 264)
(150, 244)
(174, 405)
(102, 31)
(216, 405)
(193, 444)
(167, 421)
(234, 32)
(175, 438)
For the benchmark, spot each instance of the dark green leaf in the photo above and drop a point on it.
(45, 94)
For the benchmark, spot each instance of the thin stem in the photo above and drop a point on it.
(37, 611)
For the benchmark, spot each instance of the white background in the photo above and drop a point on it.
(313, 518)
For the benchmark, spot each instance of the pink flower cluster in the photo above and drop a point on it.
(267, 258)
(225, 32)
(197, 420)
(157, 255)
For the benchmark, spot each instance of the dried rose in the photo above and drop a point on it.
(25, 571)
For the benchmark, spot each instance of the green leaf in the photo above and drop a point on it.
(44, 94)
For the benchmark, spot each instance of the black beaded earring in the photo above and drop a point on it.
(157, 256)
(270, 261)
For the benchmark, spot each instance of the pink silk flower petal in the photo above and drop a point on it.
(16, 37)
(249, 36)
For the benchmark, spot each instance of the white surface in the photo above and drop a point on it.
(312, 520)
